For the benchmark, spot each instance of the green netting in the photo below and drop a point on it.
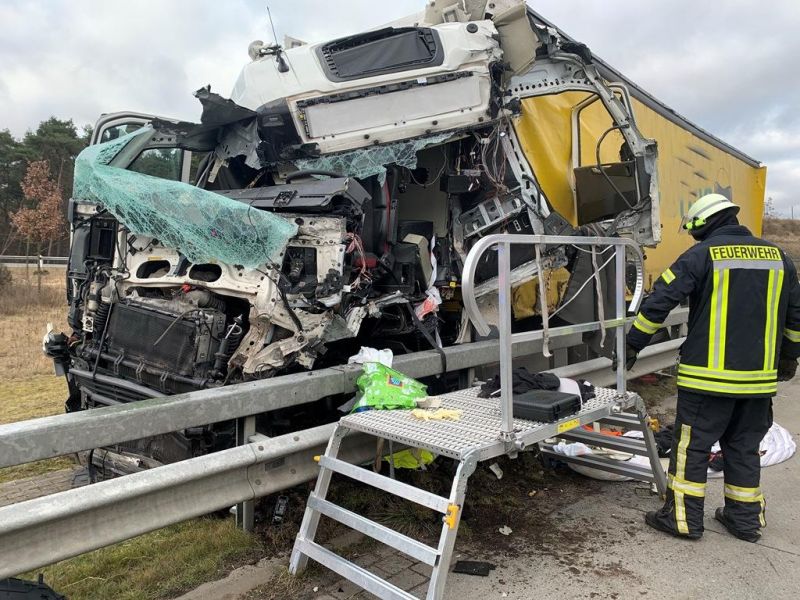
(200, 224)
(364, 162)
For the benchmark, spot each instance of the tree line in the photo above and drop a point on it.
(35, 185)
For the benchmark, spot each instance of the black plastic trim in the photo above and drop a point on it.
(328, 62)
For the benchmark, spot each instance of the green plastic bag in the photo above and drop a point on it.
(383, 388)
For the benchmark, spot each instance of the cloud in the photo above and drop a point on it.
(717, 63)
(80, 59)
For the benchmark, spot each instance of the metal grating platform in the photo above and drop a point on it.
(479, 426)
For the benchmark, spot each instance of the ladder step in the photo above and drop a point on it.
(603, 464)
(390, 537)
(612, 442)
(358, 575)
(626, 420)
(397, 488)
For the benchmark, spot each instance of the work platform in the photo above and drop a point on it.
(486, 427)
(475, 433)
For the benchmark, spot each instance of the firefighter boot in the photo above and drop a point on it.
(747, 536)
(664, 520)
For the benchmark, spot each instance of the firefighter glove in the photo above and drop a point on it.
(631, 355)
(787, 367)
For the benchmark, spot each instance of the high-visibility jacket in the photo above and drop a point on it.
(744, 313)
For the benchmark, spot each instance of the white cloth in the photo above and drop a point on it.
(776, 447)
(569, 386)
(367, 354)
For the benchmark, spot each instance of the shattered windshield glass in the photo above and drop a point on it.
(202, 225)
(364, 162)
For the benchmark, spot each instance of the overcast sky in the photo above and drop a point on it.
(728, 66)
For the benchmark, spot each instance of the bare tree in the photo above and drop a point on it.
(769, 208)
(42, 220)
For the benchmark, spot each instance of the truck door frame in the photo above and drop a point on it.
(111, 120)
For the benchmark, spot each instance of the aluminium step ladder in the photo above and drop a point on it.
(468, 441)
(487, 427)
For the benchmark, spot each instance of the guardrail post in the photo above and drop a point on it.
(245, 511)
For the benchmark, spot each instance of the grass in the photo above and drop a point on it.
(30, 388)
(24, 314)
(161, 564)
(283, 585)
(785, 233)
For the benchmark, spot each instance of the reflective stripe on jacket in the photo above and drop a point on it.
(744, 313)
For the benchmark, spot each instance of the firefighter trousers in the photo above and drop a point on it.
(739, 424)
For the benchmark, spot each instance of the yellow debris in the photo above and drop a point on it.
(440, 414)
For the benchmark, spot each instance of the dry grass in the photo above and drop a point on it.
(161, 564)
(25, 311)
(30, 389)
(785, 233)
(38, 396)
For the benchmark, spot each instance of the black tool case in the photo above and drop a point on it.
(545, 406)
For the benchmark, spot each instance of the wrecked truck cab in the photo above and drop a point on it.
(330, 204)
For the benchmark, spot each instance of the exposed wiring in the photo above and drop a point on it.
(89, 218)
(491, 149)
(282, 294)
(356, 245)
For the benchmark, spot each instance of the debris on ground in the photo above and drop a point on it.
(281, 504)
(495, 468)
(32, 590)
(474, 567)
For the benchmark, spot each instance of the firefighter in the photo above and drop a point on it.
(744, 337)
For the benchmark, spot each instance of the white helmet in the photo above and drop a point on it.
(708, 205)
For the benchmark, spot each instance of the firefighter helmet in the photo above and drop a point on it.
(708, 205)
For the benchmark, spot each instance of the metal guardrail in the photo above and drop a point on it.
(88, 518)
(32, 260)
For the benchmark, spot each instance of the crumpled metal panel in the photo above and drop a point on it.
(365, 162)
(202, 225)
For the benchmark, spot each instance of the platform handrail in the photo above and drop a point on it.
(503, 244)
